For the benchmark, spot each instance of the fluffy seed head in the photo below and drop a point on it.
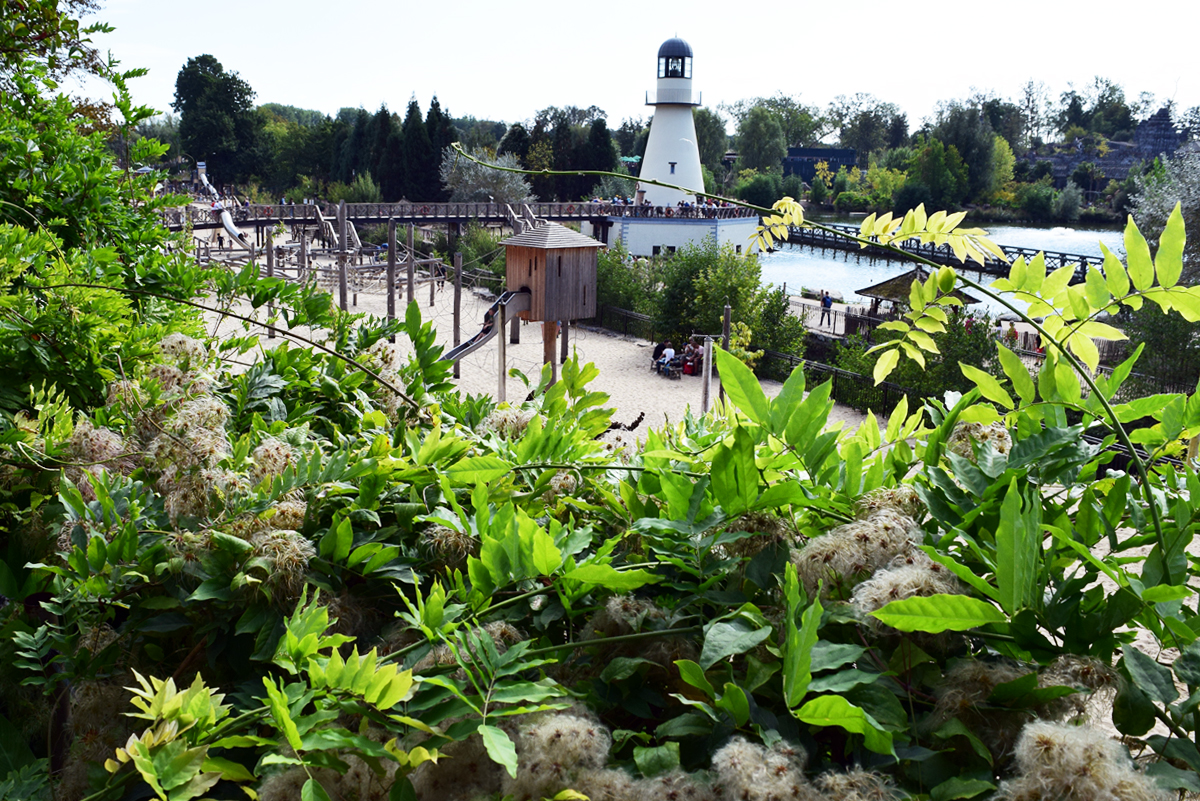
(857, 785)
(288, 552)
(507, 422)
(965, 434)
(182, 349)
(910, 574)
(902, 500)
(1075, 763)
(855, 549)
(750, 772)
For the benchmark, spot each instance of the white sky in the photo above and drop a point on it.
(505, 61)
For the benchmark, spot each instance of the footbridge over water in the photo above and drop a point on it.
(940, 254)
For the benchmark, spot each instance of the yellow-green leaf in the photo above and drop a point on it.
(1083, 347)
(1168, 262)
(989, 387)
(934, 614)
(914, 353)
(1096, 290)
(1067, 382)
(1078, 302)
(1015, 369)
(1114, 274)
(1141, 269)
(923, 341)
(1035, 274)
(887, 362)
(1057, 281)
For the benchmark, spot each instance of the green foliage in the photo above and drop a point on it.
(356, 567)
(217, 118)
(761, 189)
(760, 141)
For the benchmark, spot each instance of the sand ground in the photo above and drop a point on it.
(623, 361)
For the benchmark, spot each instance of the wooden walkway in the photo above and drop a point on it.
(441, 213)
(940, 254)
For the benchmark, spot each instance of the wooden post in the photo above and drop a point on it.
(457, 305)
(410, 259)
(343, 288)
(432, 283)
(725, 340)
(564, 353)
(514, 335)
(302, 267)
(391, 273)
(270, 274)
(706, 384)
(502, 388)
(549, 328)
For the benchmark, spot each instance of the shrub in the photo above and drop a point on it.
(852, 201)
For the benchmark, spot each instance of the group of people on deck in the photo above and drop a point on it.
(665, 357)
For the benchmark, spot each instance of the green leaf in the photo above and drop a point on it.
(799, 642)
(830, 655)
(959, 787)
(989, 387)
(313, 791)
(886, 364)
(622, 667)
(735, 478)
(1114, 274)
(1137, 252)
(610, 578)
(834, 710)
(693, 674)
(725, 638)
(937, 613)
(1133, 713)
(1150, 677)
(744, 388)
(1168, 262)
(500, 748)
(1187, 666)
(654, 761)
(1169, 777)
(842, 681)
(477, 470)
(733, 700)
(1017, 373)
(1018, 551)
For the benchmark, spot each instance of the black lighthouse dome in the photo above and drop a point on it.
(675, 59)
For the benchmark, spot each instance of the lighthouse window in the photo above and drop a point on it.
(674, 67)
(672, 163)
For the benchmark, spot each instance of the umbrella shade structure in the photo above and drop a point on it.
(896, 290)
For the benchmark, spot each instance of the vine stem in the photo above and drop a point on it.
(641, 635)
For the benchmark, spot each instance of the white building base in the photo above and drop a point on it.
(656, 236)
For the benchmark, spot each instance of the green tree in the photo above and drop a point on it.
(217, 119)
(761, 145)
(515, 141)
(966, 129)
(1170, 181)
(711, 139)
(803, 126)
(867, 124)
(1003, 164)
(761, 189)
(468, 182)
(421, 180)
(940, 169)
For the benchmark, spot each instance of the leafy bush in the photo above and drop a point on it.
(1038, 201)
(852, 201)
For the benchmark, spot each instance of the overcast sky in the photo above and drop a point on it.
(505, 61)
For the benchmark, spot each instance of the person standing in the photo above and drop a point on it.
(826, 308)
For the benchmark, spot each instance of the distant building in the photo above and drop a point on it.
(803, 161)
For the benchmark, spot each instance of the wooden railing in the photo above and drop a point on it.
(262, 213)
(940, 254)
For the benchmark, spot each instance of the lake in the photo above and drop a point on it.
(843, 272)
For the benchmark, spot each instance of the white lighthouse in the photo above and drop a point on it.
(672, 154)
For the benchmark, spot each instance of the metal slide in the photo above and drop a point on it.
(226, 217)
(512, 302)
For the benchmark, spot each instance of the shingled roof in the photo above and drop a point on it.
(897, 289)
(551, 235)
